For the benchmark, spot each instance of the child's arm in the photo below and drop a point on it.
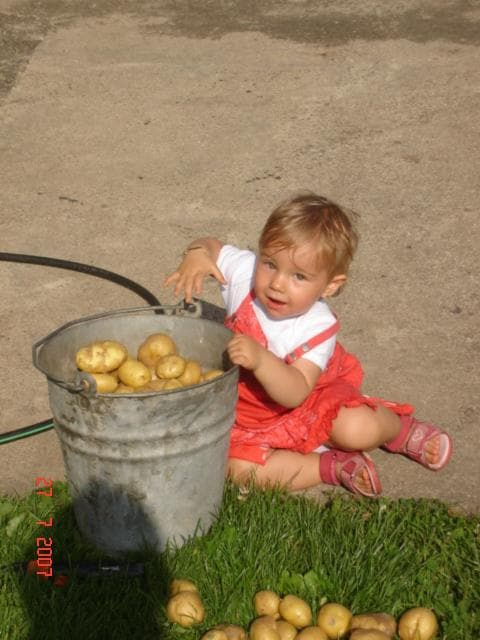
(287, 384)
(199, 261)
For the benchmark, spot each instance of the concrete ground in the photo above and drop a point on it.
(130, 128)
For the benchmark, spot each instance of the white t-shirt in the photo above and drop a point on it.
(284, 335)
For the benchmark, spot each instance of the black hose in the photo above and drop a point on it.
(83, 268)
(46, 425)
(26, 432)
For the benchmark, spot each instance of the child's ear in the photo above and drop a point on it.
(334, 285)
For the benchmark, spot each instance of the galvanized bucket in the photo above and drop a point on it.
(142, 469)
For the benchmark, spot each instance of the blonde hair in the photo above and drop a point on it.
(311, 219)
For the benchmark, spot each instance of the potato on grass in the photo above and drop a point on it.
(266, 603)
(101, 356)
(418, 623)
(334, 619)
(369, 634)
(311, 633)
(154, 347)
(381, 621)
(264, 628)
(232, 631)
(286, 630)
(106, 383)
(296, 611)
(134, 373)
(186, 609)
(181, 584)
(214, 634)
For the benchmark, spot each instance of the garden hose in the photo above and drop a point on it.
(83, 268)
(26, 432)
(46, 425)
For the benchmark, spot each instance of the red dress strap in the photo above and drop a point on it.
(241, 308)
(313, 342)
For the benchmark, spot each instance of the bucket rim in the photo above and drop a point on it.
(85, 383)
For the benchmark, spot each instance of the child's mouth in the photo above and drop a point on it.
(272, 303)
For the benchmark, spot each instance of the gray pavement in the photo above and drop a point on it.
(129, 128)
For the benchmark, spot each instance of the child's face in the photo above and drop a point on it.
(288, 281)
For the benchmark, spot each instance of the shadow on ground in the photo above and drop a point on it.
(94, 595)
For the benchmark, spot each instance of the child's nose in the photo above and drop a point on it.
(277, 281)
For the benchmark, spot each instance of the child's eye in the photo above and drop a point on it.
(300, 276)
(269, 264)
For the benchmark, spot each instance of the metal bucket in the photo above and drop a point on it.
(142, 469)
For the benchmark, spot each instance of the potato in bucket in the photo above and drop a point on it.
(155, 347)
(101, 356)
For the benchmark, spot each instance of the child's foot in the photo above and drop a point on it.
(422, 442)
(353, 470)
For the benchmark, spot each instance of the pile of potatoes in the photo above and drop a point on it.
(289, 617)
(157, 366)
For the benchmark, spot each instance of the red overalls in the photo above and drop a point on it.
(262, 424)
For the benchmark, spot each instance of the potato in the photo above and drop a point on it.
(334, 619)
(296, 611)
(154, 347)
(369, 634)
(134, 373)
(114, 373)
(266, 602)
(264, 633)
(418, 623)
(124, 388)
(153, 385)
(264, 628)
(191, 374)
(171, 366)
(172, 384)
(211, 374)
(101, 356)
(186, 609)
(312, 633)
(214, 634)
(232, 631)
(106, 383)
(381, 621)
(181, 584)
(286, 630)
(153, 373)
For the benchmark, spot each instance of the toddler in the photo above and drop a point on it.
(301, 418)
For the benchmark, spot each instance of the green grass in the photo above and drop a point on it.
(368, 555)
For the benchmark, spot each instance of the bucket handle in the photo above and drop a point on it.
(86, 383)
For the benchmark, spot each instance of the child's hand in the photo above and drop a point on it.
(245, 352)
(194, 268)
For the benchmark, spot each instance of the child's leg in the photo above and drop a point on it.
(363, 429)
(295, 471)
(282, 467)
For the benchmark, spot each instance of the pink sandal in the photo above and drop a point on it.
(412, 439)
(352, 462)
